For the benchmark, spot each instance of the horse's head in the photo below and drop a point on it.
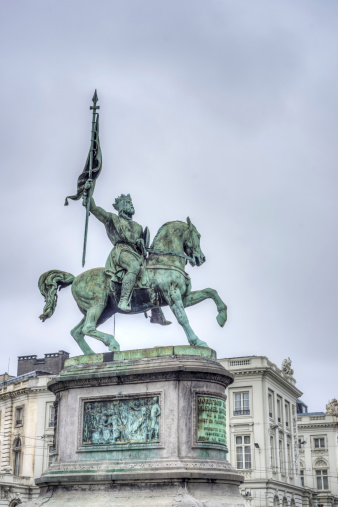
(192, 245)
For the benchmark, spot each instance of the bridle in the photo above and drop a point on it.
(164, 252)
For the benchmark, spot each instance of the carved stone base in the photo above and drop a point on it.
(147, 494)
(141, 428)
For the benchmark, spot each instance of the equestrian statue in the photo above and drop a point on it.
(137, 278)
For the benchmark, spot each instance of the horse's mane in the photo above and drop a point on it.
(161, 230)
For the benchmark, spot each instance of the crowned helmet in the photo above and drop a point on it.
(120, 202)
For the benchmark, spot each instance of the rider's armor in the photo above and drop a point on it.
(125, 260)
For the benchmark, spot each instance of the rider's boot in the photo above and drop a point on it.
(158, 317)
(128, 283)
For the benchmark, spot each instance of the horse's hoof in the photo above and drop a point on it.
(221, 318)
(203, 344)
(114, 348)
(200, 343)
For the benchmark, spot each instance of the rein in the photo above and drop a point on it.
(170, 268)
(163, 252)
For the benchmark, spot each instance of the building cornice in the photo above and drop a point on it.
(24, 390)
(13, 394)
(314, 424)
(266, 371)
(273, 483)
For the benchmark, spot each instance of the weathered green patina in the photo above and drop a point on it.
(129, 355)
(211, 420)
(121, 421)
(168, 284)
(136, 278)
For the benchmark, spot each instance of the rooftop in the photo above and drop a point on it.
(252, 364)
(20, 378)
(311, 413)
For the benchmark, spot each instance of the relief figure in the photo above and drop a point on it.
(155, 413)
(121, 421)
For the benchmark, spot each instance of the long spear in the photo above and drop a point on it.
(87, 194)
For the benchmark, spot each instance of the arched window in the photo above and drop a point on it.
(17, 455)
(321, 470)
(285, 502)
(276, 501)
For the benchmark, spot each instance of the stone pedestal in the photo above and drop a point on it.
(141, 428)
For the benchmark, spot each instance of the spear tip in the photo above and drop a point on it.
(95, 97)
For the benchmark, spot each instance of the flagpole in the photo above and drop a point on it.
(87, 193)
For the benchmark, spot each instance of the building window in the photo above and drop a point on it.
(319, 443)
(302, 478)
(288, 450)
(17, 456)
(243, 452)
(287, 414)
(281, 460)
(242, 406)
(270, 402)
(322, 479)
(272, 452)
(18, 416)
(279, 410)
(51, 422)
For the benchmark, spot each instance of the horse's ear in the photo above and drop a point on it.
(189, 221)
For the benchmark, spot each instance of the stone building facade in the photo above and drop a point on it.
(318, 450)
(26, 427)
(262, 432)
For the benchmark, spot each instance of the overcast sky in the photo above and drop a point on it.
(225, 111)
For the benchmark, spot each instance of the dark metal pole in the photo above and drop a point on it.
(88, 193)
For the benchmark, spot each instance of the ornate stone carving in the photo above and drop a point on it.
(121, 421)
(320, 463)
(286, 367)
(332, 407)
(7, 469)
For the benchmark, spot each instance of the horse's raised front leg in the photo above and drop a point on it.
(89, 327)
(200, 295)
(176, 304)
(78, 336)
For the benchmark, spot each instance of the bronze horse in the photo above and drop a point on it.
(168, 284)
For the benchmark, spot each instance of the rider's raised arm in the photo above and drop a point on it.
(98, 212)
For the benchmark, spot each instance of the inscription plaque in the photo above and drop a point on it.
(211, 420)
(121, 421)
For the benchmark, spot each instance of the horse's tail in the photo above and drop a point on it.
(49, 283)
